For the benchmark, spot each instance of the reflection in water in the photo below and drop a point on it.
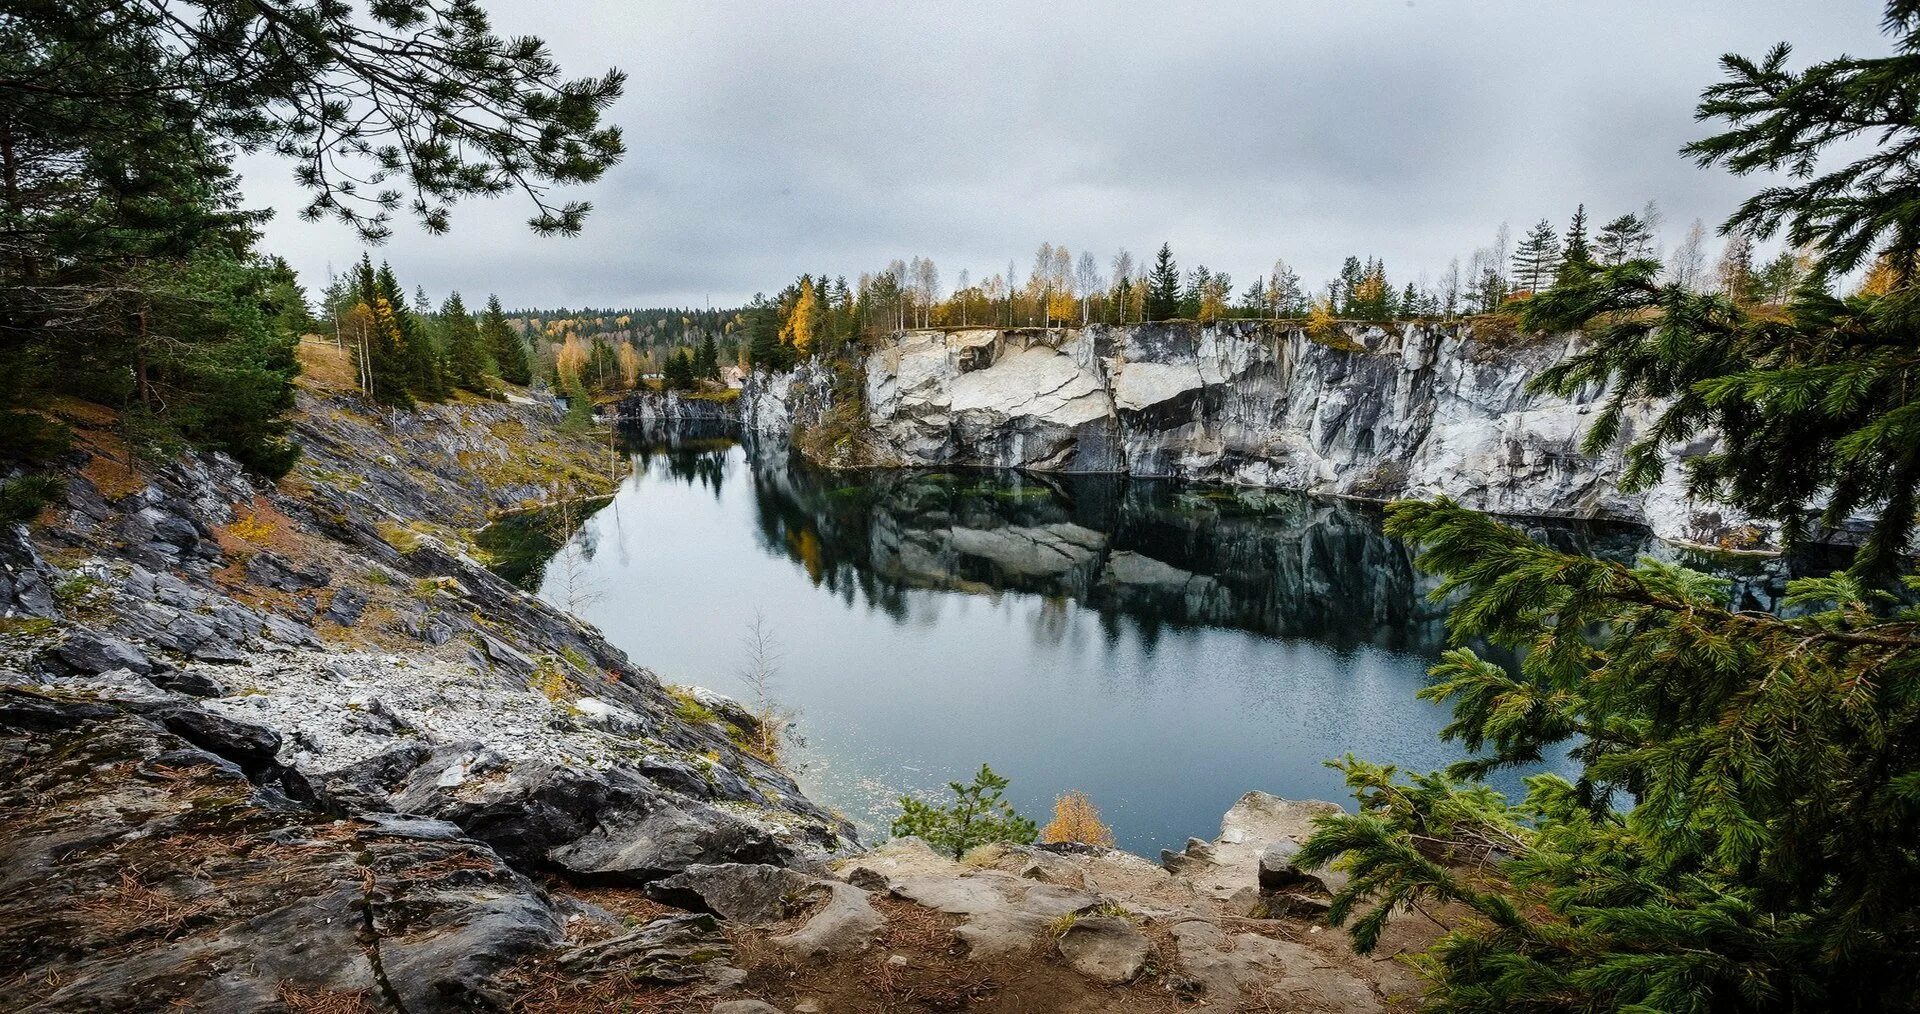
(1161, 646)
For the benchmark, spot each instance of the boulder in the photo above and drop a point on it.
(1295, 905)
(191, 682)
(661, 836)
(253, 747)
(85, 651)
(846, 924)
(1106, 949)
(1278, 872)
(751, 893)
(1004, 913)
(1197, 853)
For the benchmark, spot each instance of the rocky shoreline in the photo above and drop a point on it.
(294, 747)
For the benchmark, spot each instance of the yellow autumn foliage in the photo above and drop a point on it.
(798, 331)
(629, 364)
(1075, 818)
(1321, 324)
(1881, 278)
(571, 360)
(1062, 305)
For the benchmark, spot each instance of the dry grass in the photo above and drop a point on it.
(259, 525)
(325, 366)
(112, 468)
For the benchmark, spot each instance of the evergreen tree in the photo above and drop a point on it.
(978, 815)
(1740, 835)
(1199, 280)
(230, 388)
(764, 348)
(1776, 281)
(466, 362)
(1735, 271)
(381, 355)
(1537, 258)
(1576, 258)
(508, 351)
(1163, 286)
(421, 360)
(1371, 297)
(1347, 287)
(1624, 239)
(678, 373)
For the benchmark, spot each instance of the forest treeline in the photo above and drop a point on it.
(822, 315)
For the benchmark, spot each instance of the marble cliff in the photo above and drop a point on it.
(1375, 411)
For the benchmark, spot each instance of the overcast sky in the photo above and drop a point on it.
(768, 139)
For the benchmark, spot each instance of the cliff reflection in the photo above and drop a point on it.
(1146, 554)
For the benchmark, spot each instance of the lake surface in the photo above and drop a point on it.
(1162, 647)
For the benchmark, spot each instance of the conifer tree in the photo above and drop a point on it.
(978, 815)
(1741, 832)
(1537, 257)
(1347, 286)
(1576, 258)
(385, 369)
(466, 362)
(508, 352)
(1624, 239)
(421, 359)
(1163, 286)
(119, 123)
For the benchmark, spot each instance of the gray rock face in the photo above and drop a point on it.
(1105, 949)
(346, 606)
(156, 875)
(1407, 410)
(751, 893)
(677, 949)
(845, 924)
(744, 1007)
(90, 652)
(277, 572)
(1278, 871)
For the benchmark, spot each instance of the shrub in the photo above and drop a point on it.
(977, 816)
(1076, 819)
(23, 498)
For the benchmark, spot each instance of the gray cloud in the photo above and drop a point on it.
(767, 139)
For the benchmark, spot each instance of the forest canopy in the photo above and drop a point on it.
(129, 268)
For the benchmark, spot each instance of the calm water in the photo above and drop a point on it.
(1162, 647)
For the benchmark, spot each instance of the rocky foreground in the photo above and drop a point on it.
(294, 748)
